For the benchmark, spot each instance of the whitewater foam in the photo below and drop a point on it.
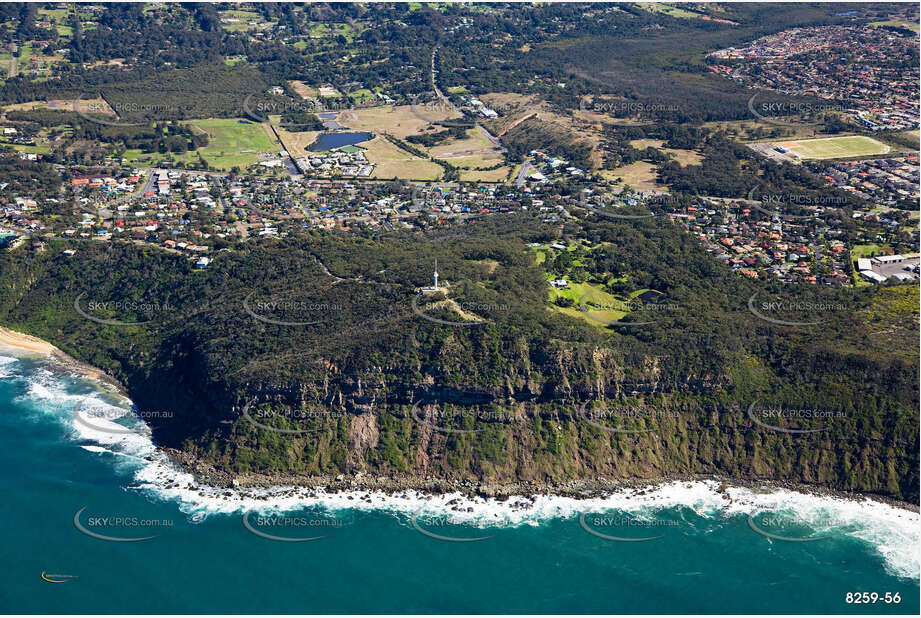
(5, 370)
(893, 532)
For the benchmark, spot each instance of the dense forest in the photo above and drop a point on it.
(650, 60)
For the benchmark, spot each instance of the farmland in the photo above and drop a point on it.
(398, 120)
(392, 162)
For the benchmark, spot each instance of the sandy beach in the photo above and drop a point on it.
(22, 341)
(27, 343)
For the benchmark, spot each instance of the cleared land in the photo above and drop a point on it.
(599, 303)
(868, 250)
(684, 157)
(750, 130)
(307, 92)
(496, 175)
(473, 152)
(90, 106)
(640, 176)
(671, 11)
(836, 147)
(392, 162)
(329, 92)
(296, 142)
(400, 121)
(898, 24)
(233, 142)
(239, 21)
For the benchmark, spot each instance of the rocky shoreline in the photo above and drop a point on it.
(207, 474)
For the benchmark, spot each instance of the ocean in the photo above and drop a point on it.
(97, 521)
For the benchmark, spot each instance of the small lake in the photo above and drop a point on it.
(328, 141)
(329, 120)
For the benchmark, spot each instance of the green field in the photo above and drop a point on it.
(61, 20)
(671, 11)
(243, 18)
(860, 251)
(232, 143)
(599, 303)
(899, 24)
(323, 30)
(361, 95)
(836, 147)
(30, 149)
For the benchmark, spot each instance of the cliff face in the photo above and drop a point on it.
(530, 396)
(549, 417)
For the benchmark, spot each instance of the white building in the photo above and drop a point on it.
(889, 259)
(872, 276)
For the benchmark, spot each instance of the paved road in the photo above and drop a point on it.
(524, 172)
(438, 92)
(483, 131)
(766, 149)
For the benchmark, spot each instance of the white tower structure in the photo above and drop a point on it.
(436, 274)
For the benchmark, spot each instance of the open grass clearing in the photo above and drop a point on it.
(599, 303)
(305, 91)
(867, 250)
(393, 162)
(496, 175)
(914, 26)
(836, 147)
(233, 142)
(640, 176)
(682, 156)
(297, 142)
(400, 121)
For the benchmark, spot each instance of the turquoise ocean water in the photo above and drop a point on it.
(67, 482)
